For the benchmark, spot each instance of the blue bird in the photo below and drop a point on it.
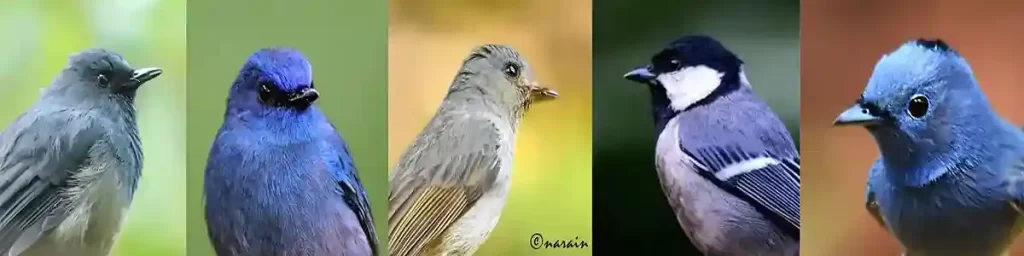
(726, 163)
(279, 178)
(948, 178)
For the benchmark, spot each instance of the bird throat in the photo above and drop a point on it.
(916, 163)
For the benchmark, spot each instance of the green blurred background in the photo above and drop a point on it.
(631, 212)
(842, 41)
(345, 41)
(39, 37)
(551, 180)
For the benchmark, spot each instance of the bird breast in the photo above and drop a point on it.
(96, 214)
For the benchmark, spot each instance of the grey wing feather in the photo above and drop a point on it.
(442, 175)
(37, 153)
(755, 160)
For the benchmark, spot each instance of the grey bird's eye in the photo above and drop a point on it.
(918, 106)
(103, 81)
(511, 70)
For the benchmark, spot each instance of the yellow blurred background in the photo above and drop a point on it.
(551, 180)
(841, 42)
(38, 38)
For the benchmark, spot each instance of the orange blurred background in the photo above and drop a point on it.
(551, 178)
(841, 40)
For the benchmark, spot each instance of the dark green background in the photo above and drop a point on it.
(630, 211)
(346, 42)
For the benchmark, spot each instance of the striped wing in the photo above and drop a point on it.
(768, 182)
(440, 177)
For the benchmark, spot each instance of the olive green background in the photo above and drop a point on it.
(38, 38)
(346, 43)
(551, 172)
(631, 213)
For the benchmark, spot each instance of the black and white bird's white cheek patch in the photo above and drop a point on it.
(743, 77)
(689, 85)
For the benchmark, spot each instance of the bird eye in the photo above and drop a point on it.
(511, 70)
(103, 81)
(266, 93)
(675, 64)
(918, 106)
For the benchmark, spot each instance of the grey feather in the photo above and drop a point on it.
(741, 127)
(732, 216)
(69, 166)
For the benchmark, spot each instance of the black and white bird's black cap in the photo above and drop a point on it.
(692, 69)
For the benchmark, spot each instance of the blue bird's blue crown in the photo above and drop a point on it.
(276, 77)
(919, 63)
(286, 67)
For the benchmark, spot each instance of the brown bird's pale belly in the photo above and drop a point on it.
(466, 235)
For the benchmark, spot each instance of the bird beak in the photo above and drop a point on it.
(307, 95)
(542, 93)
(640, 75)
(856, 115)
(143, 75)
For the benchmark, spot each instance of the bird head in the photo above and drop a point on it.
(274, 80)
(691, 71)
(101, 73)
(920, 100)
(498, 73)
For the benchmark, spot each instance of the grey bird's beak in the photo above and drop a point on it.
(856, 115)
(542, 93)
(640, 75)
(307, 95)
(143, 75)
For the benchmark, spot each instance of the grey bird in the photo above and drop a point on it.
(449, 187)
(726, 163)
(69, 166)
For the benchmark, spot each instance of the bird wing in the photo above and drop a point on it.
(352, 188)
(37, 153)
(438, 179)
(739, 162)
(869, 197)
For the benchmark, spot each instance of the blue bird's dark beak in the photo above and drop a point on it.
(641, 75)
(856, 115)
(305, 96)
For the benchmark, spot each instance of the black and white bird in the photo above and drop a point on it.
(727, 165)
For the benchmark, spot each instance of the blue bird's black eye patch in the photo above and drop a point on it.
(271, 95)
